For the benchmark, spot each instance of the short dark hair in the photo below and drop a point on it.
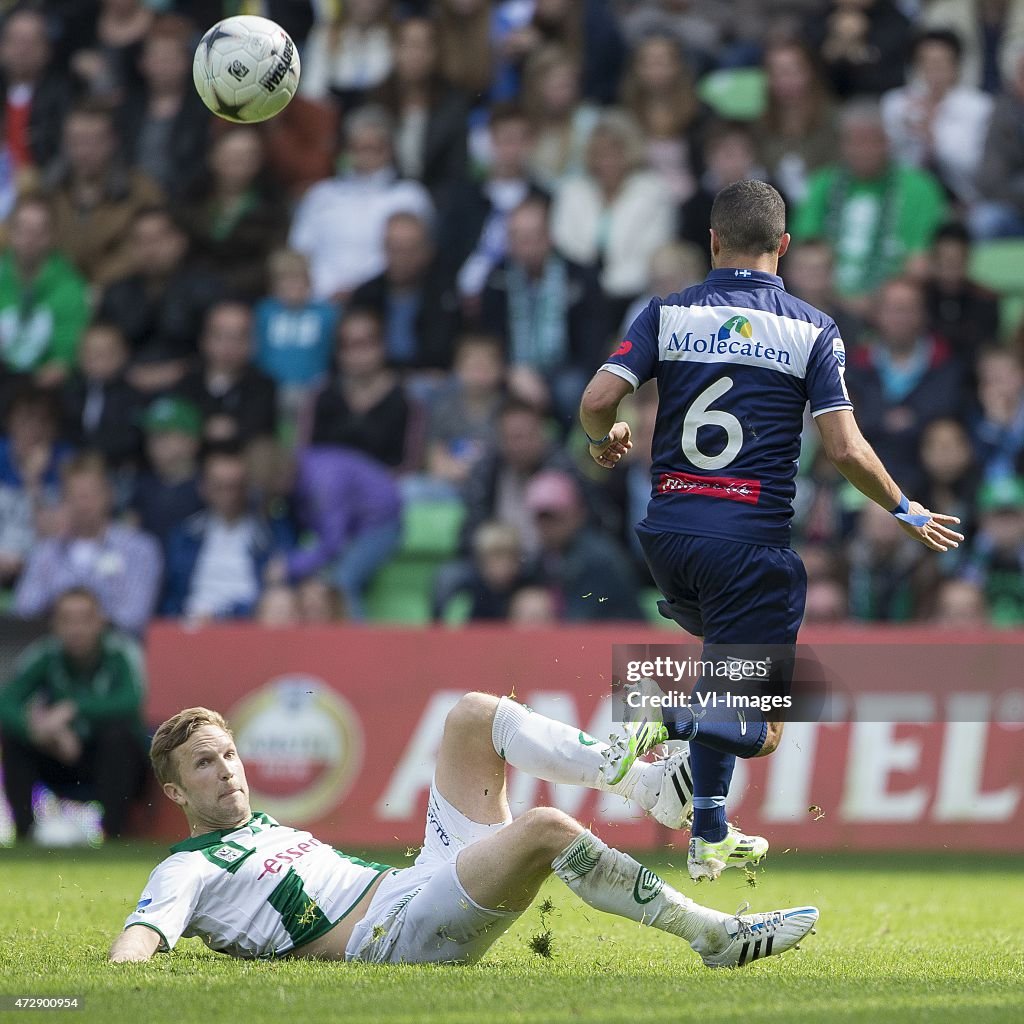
(952, 231)
(749, 217)
(943, 36)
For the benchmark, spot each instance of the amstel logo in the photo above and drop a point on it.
(302, 746)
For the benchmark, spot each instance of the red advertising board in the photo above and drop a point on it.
(339, 728)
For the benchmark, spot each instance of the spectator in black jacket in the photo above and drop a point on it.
(364, 405)
(164, 124)
(549, 311)
(101, 409)
(905, 378)
(414, 297)
(35, 95)
(238, 401)
(161, 305)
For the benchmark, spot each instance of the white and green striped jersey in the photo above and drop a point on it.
(257, 890)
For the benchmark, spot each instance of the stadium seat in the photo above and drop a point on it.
(737, 94)
(649, 598)
(999, 265)
(430, 529)
(401, 592)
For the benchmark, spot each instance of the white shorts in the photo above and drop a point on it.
(422, 914)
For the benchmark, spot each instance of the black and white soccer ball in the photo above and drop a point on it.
(246, 69)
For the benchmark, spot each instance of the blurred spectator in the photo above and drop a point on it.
(904, 379)
(95, 197)
(463, 417)
(430, 116)
(958, 309)
(164, 123)
(351, 506)
(659, 92)
(485, 585)
(216, 559)
(101, 409)
(589, 568)
(827, 603)
(160, 305)
(473, 225)
(414, 296)
(71, 716)
(238, 400)
(673, 268)
(107, 61)
(798, 132)
(996, 560)
(340, 222)
(863, 44)
(294, 332)
(878, 216)
(887, 573)
(320, 603)
(950, 478)
(990, 31)
(30, 458)
(36, 94)
(364, 405)
(236, 216)
(43, 300)
(464, 36)
(820, 514)
(496, 489)
(278, 607)
(549, 311)
(350, 54)
(960, 604)
(119, 563)
(1000, 211)
(167, 492)
(616, 216)
(934, 121)
(302, 144)
(998, 428)
(560, 123)
(729, 155)
(809, 272)
(532, 606)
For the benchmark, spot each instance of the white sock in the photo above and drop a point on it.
(612, 881)
(556, 752)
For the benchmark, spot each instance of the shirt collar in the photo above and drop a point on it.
(739, 275)
(201, 842)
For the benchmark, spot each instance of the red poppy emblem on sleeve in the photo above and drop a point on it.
(623, 348)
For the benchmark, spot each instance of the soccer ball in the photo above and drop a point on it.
(246, 69)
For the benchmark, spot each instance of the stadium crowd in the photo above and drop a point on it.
(234, 358)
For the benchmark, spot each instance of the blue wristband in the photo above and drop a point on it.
(902, 512)
(599, 441)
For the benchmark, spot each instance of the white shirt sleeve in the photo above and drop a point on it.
(169, 900)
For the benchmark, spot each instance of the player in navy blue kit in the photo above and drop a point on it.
(737, 359)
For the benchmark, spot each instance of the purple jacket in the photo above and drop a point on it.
(339, 494)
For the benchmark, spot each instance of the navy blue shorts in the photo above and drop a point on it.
(725, 591)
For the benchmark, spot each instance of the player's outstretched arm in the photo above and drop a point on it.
(609, 439)
(135, 944)
(848, 450)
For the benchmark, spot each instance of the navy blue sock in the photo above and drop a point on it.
(742, 734)
(712, 772)
(683, 726)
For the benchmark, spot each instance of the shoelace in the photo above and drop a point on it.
(767, 922)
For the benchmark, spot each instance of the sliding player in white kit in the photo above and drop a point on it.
(253, 888)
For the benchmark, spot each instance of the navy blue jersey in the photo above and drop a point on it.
(736, 358)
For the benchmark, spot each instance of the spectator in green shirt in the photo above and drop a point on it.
(71, 716)
(43, 301)
(878, 216)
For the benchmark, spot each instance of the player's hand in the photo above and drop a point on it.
(936, 533)
(619, 442)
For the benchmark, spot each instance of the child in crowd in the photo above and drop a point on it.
(294, 332)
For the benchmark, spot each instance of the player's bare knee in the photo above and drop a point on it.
(472, 715)
(550, 831)
(772, 739)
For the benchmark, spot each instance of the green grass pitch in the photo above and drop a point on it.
(901, 939)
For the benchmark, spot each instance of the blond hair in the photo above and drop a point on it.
(174, 733)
